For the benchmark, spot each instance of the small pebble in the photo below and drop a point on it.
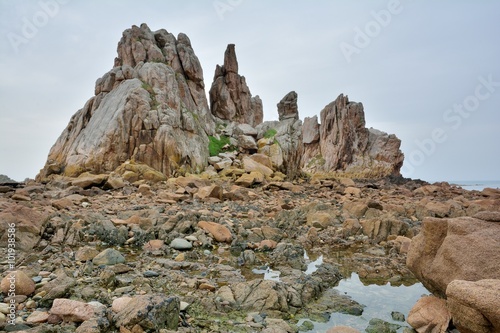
(181, 244)
(184, 306)
(149, 274)
(31, 304)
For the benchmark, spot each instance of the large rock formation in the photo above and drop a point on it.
(282, 140)
(151, 108)
(230, 97)
(342, 143)
(461, 248)
(458, 259)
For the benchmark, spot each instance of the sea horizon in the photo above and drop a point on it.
(471, 185)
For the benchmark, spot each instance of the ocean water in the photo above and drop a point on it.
(477, 185)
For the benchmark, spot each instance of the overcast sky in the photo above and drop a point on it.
(427, 71)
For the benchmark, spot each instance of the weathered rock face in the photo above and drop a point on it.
(475, 306)
(282, 140)
(287, 107)
(230, 97)
(437, 254)
(345, 145)
(458, 259)
(429, 314)
(151, 107)
(154, 311)
(284, 147)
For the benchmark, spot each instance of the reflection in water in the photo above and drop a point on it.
(273, 275)
(313, 265)
(380, 301)
(269, 274)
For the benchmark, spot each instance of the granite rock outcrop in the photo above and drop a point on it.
(151, 108)
(437, 255)
(342, 143)
(230, 97)
(282, 140)
(457, 259)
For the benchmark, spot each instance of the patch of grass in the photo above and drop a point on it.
(270, 133)
(217, 146)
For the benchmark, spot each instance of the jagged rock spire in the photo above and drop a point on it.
(230, 97)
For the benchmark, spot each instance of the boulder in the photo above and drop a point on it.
(120, 303)
(260, 295)
(150, 312)
(212, 191)
(72, 311)
(181, 244)
(37, 317)
(245, 129)
(19, 282)
(321, 219)
(218, 231)
(86, 253)
(246, 180)
(29, 224)
(247, 142)
(429, 315)
(475, 306)
(251, 165)
(289, 254)
(437, 257)
(150, 108)
(108, 257)
(230, 97)
(287, 107)
(262, 159)
(87, 180)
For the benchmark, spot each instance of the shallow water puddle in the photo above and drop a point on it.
(312, 266)
(269, 274)
(274, 275)
(380, 301)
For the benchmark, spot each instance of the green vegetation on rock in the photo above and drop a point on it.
(270, 133)
(217, 146)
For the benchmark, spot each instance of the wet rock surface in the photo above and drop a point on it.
(223, 257)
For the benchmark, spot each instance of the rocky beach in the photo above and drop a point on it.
(159, 210)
